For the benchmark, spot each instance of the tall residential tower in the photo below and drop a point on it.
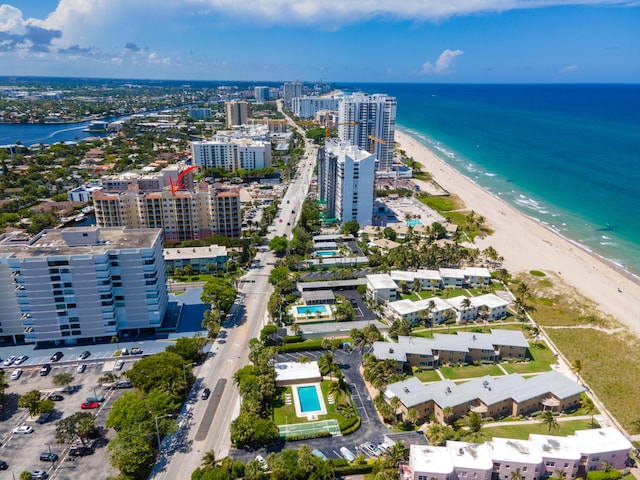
(364, 116)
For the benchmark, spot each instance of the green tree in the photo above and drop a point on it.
(162, 369)
(447, 413)
(189, 348)
(132, 454)
(254, 471)
(326, 364)
(209, 460)
(352, 227)
(589, 408)
(389, 233)
(79, 425)
(3, 386)
(63, 379)
(219, 292)
(344, 312)
(26, 475)
(279, 275)
(576, 366)
(396, 454)
(30, 401)
(549, 420)
(279, 245)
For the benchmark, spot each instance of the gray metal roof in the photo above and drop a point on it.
(317, 295)
(411, 392)
(331, 284)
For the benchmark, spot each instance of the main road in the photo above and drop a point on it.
(204, 425)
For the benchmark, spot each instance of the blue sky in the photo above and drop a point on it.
(330, 40)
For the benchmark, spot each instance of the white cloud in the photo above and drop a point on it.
(568, 69)
(11, 20)
(443, 63)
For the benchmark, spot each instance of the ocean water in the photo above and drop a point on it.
(568, 156)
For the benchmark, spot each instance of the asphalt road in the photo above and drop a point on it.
(182, 452)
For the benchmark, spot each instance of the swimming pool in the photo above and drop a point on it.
(326, 253)
(312, 309)
(413, 223)
(308, 398)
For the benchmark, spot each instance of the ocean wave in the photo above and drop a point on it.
(610, 244)
(490, 174)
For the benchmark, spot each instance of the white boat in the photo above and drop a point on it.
(80, 217)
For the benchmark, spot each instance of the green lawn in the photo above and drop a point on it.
(470, 371)
(541, 359)
(522, 432)
(427, 376)
(283, 414)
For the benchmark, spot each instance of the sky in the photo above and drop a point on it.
(439, 41)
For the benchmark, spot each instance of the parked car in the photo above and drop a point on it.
(39, 474)
(123, 384)
(353, 301)
(317, 453)
(262, 462)
(46, 368)
(89, 405)
(23, 429)
(20, 360)
(84, 355)
(347, 454)
(9, 361)
(136, 351)
(56, 397)
(3, 465)
(119, 365)
(80, 451)
(205, 393)
(16, 374)
(95, 398)
(48, 457)
(56, 356)
(81, 368)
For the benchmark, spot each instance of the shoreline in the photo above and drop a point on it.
(527, 244)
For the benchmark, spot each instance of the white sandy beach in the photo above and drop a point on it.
(527, 245)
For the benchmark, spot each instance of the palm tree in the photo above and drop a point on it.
(335, 390)
(515, 475)
(396, 454)
(395, 404)
(589, 407)
(447, 413)
(576, 366)
(464, 305)
(549, 420)
(431, 307)
(413, 416)
(209, 460)
(535, 332)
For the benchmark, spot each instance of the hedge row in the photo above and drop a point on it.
(314, 344)
(350, 428)
(352, 470)
(292, 339)
(307, 436)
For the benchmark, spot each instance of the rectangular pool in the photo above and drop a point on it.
(311, 309)
(413, 223)
(308, 397)
(326, 253)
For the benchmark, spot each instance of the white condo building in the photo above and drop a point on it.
(362, 116)
(345, 181)
(307, 107)
(61, 286)
(231, 153)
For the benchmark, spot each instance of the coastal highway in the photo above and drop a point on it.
(206, 426)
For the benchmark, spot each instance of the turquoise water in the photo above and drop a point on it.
(413, 223)
(311, 309)
(565, 155)
(308, 396)
(326, 253)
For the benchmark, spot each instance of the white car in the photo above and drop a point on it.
(20, 360)
(119, 365)
(23, 429)
(81, 368)
(9, 360)
(262, 462)
(16, 374)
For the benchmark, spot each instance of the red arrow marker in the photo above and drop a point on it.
(179, 185)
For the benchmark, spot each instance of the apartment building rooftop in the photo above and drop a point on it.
(81, 240)
(600, 440)
(556, 447)
(470, 455)
(512, 450)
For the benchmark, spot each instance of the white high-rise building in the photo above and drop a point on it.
(345, 182)
(363, 116)
(261, 94)
(231, 153)
(88, 283)
(307, 107)
(291, 90)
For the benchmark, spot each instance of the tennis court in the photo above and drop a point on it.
(310, 428)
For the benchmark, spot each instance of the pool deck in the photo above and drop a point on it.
(296, 402)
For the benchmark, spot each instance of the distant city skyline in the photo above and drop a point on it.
(483, 41)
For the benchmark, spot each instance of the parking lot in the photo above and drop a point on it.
(22, 451)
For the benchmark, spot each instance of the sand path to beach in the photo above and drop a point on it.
(527, 245)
